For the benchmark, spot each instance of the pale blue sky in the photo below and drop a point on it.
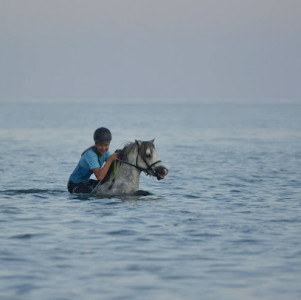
(167, 49)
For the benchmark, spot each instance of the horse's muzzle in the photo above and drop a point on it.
(161, 172)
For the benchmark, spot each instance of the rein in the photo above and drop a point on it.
(149, 167)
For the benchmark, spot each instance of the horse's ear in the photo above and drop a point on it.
(153, 141)
(139, 143)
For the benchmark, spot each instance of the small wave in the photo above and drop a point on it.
(192, 196)
(26, 236)
(122, 232)
(286, 220)
(30, 191)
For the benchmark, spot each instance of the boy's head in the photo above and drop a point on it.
(102, 139)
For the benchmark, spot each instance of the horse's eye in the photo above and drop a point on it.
(148, 155)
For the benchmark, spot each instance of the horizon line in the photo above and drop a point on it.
(140, 100)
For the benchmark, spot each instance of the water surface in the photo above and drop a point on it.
(224, 224)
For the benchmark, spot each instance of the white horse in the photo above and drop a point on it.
(123, 175)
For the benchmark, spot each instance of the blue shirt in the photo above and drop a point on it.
(86, 164)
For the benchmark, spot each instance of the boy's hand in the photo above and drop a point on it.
(113, 157)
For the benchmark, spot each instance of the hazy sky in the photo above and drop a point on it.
(170, 49)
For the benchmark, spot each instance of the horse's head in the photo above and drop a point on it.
(148, 159)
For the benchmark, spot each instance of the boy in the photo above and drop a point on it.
(92, 161)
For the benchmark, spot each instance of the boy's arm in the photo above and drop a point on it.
(100, 173)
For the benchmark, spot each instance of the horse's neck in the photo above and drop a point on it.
(129, 173)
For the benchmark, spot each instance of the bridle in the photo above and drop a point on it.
(148, 171)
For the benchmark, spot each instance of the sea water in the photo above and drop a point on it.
(224, 224)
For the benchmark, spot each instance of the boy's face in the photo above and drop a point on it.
(102, 147)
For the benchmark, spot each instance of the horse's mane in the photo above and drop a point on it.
(127, 149)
